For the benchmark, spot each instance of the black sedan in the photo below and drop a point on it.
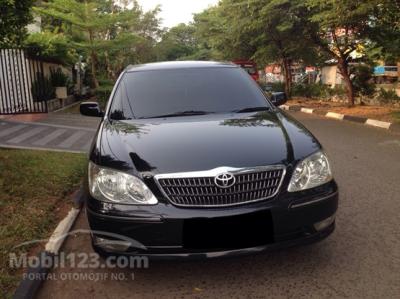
(192, 159)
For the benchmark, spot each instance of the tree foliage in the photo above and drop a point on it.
(15, 15)
(52, 46)
(264, 30)
(178, 43)
(110, 35)
(307, 31)
(384, 32)
(342, 29)
(219, 33)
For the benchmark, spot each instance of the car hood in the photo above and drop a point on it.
(194, 143)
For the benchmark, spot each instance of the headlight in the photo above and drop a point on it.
(113, 186)
(311, 172)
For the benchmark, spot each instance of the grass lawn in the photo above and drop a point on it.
(34, 195)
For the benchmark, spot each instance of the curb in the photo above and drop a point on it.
(34, 277)
(56, 240)
(394, 127)
(2, 145)
(29, 287)
(335, 115)
(66, 107)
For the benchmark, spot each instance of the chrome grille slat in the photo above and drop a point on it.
(251, 185)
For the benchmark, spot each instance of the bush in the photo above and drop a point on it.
(387, 96)
(362, 81)
(275, 87)
(103, 92)
(58, 78)
(338, 90)
(42, 89)
(311, 90)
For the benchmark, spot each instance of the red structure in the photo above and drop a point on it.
(249, 66)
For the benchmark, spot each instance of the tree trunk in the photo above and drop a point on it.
(288, 77)
(398, 70)
(93, 60)
(93, 66)
(344, 71)
(110, 72)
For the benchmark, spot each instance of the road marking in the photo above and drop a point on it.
(377, 123)
(53, 125)
(72, 139)
(335, 115)
(26, 135)
(45, 140)
(285, 107)
(307, 110)
(11, 130)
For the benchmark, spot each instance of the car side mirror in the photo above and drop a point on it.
(91, 109)
(278, 98)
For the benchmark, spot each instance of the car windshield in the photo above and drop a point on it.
(250, 69)
(181, 92)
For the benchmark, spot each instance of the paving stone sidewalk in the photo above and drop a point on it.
(57, 131)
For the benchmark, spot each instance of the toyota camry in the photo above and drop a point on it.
(193, 159)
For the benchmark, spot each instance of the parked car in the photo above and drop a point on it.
(191, 159)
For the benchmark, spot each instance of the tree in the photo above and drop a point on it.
(95, 26)
(217, 33)
(15, 16)
(265, 30)
(177, 43)
(343, 26)
(280, 33)
(384, 32)
(144, 25)
(52, 46)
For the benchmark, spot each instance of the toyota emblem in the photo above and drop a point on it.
(225, 180)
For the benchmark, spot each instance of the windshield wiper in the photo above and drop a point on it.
(181, 113)
(252, 109)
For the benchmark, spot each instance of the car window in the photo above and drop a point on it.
(122, 108)
(146, 94)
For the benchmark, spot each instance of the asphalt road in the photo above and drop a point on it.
(360, 260)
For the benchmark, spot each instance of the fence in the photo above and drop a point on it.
(23, 86)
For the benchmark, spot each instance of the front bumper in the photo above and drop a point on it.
(163, 228)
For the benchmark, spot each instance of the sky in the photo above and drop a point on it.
(177, 11)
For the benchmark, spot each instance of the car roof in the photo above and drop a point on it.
(178, 65)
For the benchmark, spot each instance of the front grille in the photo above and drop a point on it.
(198, 190)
